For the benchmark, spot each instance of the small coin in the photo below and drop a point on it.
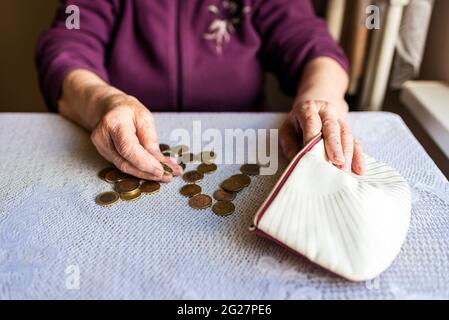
(207, 156)
(166, 153)
(250, 169)
(187, 157)
(180, 149)
(115, 176)
(190, 190)
(167, 169)
(232, 185)
(222, 195)
(103, 172)
(164, 147)
(207, 168)
(107, 198)
(131, 196)
(183, 165)
(150, 187)
(223, 208)
(243, 179)
(200, 201)
(193, 176)
(127, 185)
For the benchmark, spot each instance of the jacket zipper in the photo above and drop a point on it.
(179, 99)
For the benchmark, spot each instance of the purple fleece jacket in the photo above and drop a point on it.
(186, 55)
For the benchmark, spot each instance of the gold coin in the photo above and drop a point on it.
(127, 185)
(131, 196)
(182, 165)
(167, 169)
(179, 150)
(115, 176)
(150, 187)
(223, 208)
(164, 147)
(207, 168)
(193, 176)
(222, 195)
(166, 153)
(107, 198)
(250, 169)
(103, 172)
(187, 157)
(200, 201)
(207, 156)
(243, 179)
(190, 190)
(232, 185)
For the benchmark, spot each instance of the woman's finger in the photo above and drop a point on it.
(332, 140)
(147, 135)
(358, 160)
(309, 120)
(107, 150)
(289, 139)
(348, 145)
(127, 145)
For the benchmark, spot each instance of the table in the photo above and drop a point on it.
(55, 242)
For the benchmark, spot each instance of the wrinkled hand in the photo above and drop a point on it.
(126, 136)
(308, 119)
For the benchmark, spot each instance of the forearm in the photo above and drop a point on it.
(324, 79)
(83, 98)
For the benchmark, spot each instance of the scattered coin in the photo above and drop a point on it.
(164, 147)
(127, 185)
(183, 165)
(232, 185)
(115, 176)
(223, 208)
(207, 156)
(222, 195)
(103, 172)
(243, 179)
(187, 157)
(190, 190)
(193, 176)
(250, 169)
(150, 187)
(179, 150)
(131, 196)
(200, 201)
(207, 168)
(107, 198)
(167, 169)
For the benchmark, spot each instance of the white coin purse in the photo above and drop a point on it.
(351, 225)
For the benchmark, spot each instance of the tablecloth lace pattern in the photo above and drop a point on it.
(159, 247)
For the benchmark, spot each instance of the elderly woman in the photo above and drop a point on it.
(130, 58)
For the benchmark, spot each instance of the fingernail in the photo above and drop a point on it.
(339, 157)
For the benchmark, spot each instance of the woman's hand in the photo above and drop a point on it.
(308, 118)
(123, 130)
(126, 136)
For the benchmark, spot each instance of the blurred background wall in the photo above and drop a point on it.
(436, 59)
(21, 23)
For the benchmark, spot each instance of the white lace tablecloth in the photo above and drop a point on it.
(55, 242)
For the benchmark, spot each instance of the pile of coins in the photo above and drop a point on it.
(192, 190)
(129, 188)
(126, 187)
(230, 187)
